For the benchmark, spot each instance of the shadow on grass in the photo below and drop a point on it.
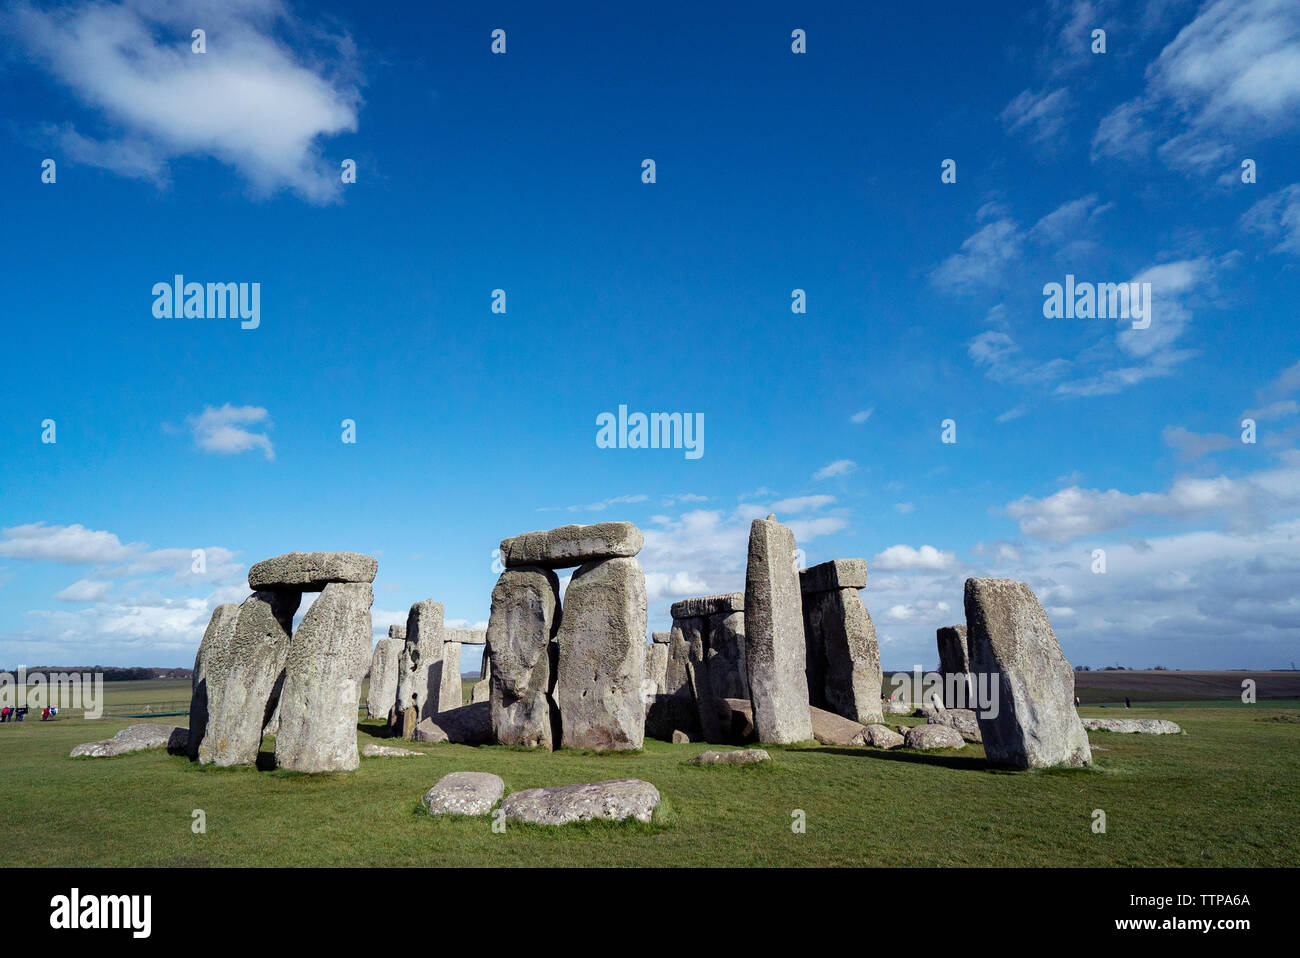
(957, 762)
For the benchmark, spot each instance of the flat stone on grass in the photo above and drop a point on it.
(465, 793)
(614, 801)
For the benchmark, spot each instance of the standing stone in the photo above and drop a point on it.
(241, 679)
(684, 635)
(1035, 724)
(481, 691)
(450, 693)
(774, 642)
(217, 639)
(954, 660)
(656, 666)
(384, 664)
(423, 648)
(727, 671)
(524, 618)
(602, 657)
(322, 681)
(842, 655)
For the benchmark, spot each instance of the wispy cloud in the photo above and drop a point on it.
(840, 467)
(222, 429)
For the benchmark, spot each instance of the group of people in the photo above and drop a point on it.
(11, 714)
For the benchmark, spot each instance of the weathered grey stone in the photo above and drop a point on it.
(136, 738)
(417, 682)
(774, 642)
(311, 571)
(1143, 726)
(963, 720)
(451, 694)
(681, 738)
(243, 679)
(744, 756)
(896, 707)
(572, 545)
(615, 800)
(602, 657)
(661, 638)
(322, 681)
(465, 636)
(467, 725)
(216, 642)
(832, 729)
(371, 750)
(426, 731)
(656, 667)
(1035, 724)
(740, 722)
(384, 664)
(843, 659)
(464, 793)
(834, 575)
(524, 618)
(728, 675)
(405, 723)
(705, 606)
(933, 736)
(954, 660)
(666, 714)
(480, 691)
(397, 632)
(882, 736)
(684, 635)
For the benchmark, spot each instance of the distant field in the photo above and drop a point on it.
(1170, 686)
(1223, 793)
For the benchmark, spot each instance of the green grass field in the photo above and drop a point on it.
(1225, 793)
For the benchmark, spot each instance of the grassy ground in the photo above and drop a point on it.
(1224, 793)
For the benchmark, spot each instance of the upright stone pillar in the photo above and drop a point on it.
(242, 680)
(602, 656)
(774, 641)
(214, 648)
(322, 681)
(384, 663)
(524, 618)
(1033, 723)
(843, 657)
(954, 665)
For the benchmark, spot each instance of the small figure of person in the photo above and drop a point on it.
(1077, 702)
(1127, 703)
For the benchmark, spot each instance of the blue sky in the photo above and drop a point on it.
(775, 171)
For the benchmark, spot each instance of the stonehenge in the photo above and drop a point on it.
(1034, 724)
(570, 677)
(252, 665)
(843, 659)
(954, 663)
(774, 641)
(384, 663)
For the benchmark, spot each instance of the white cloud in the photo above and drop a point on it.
(903, 508)
(1277, 216)
(1191, 445)
(85, 590)
(1040, 115)
(840, 467)
(984, 259)
(862, 416)
(68, 544)
(252, 101)
(221, 430)
(906, 558)
(801, 504)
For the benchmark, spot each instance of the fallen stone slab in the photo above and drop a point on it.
(136, 738)
(882, 736)
(705, 606)
(572, 545)
(744, 756)
(615, 801)
(774, 642)
(371, 750)
(896, 707)
(1035, 724)
(933, 736)
(311, 571)
(831, 729)
(1140, 726)
(963, 720)
(464, 793)
(833, 575)
(468, 725)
